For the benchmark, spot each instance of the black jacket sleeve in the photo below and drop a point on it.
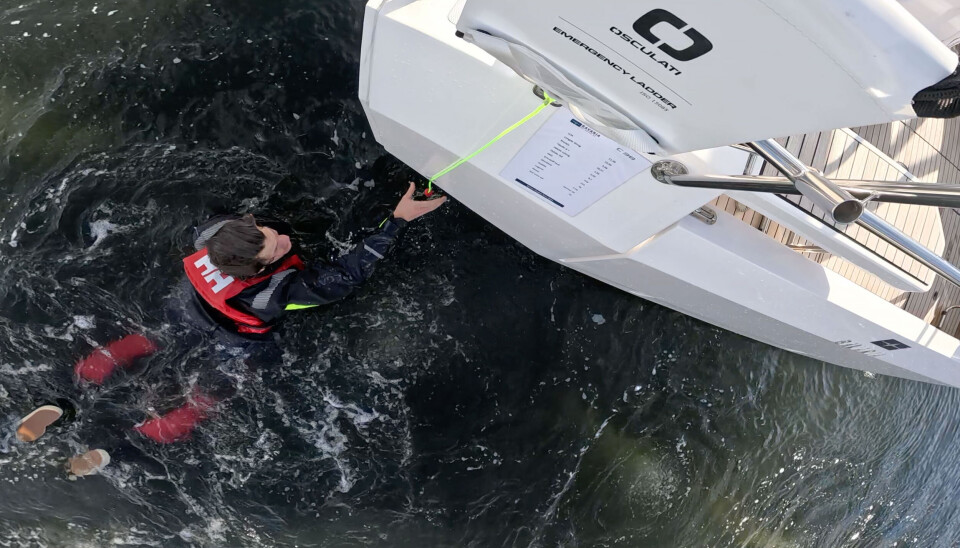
(324, 283)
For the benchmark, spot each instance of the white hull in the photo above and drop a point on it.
(431, 98)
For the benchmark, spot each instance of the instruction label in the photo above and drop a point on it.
(571, 166)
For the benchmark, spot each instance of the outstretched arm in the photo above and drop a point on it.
(326, 283)
(409, 209)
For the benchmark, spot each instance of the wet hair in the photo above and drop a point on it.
(234, 248)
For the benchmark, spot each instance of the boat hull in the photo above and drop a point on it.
(432, 98)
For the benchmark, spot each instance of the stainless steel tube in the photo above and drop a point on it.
(867, 220)
(835, 201)
(779, 157)
(901, 241)
(749, 183)
(926, 194)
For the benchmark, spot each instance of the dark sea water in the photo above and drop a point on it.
(472, 394)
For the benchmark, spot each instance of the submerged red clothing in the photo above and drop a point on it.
(100, 363)
(179, 423)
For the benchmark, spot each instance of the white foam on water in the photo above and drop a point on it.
(66, 335)
(27, 369)
(382, 381)
(332, 443)
(240, 464)
(215, 529)
(100, 230)
(13, 236)
(85, 322)
(359, 417)
(130, 539)
(343, 246)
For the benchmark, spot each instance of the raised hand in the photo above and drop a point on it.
(409, 209)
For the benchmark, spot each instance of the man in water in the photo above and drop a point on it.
(245, 276)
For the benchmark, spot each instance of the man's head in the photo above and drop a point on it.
(241, 248)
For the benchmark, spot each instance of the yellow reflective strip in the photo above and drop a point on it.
(300, 306)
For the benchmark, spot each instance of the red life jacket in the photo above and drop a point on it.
(216, 289)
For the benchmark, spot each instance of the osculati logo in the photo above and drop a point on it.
(699, 47)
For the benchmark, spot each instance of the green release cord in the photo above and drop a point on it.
(546, 101)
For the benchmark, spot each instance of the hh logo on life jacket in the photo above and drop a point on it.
(212, 275)
(699, 47)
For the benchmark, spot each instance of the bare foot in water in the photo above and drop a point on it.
(35, 424)
(88, 463)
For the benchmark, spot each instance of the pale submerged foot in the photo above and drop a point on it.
(89, 463)
(35, 424)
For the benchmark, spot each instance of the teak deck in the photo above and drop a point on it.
(929, 151)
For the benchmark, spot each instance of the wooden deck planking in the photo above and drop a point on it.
(853, 169)
(931, 154)
(929, 149)
(870, 173)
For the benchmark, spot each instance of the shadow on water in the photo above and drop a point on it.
(472, 394)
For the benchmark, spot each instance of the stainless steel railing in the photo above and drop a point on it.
(837, 202)
(842, 200)
(890, 234)
(892, 192)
